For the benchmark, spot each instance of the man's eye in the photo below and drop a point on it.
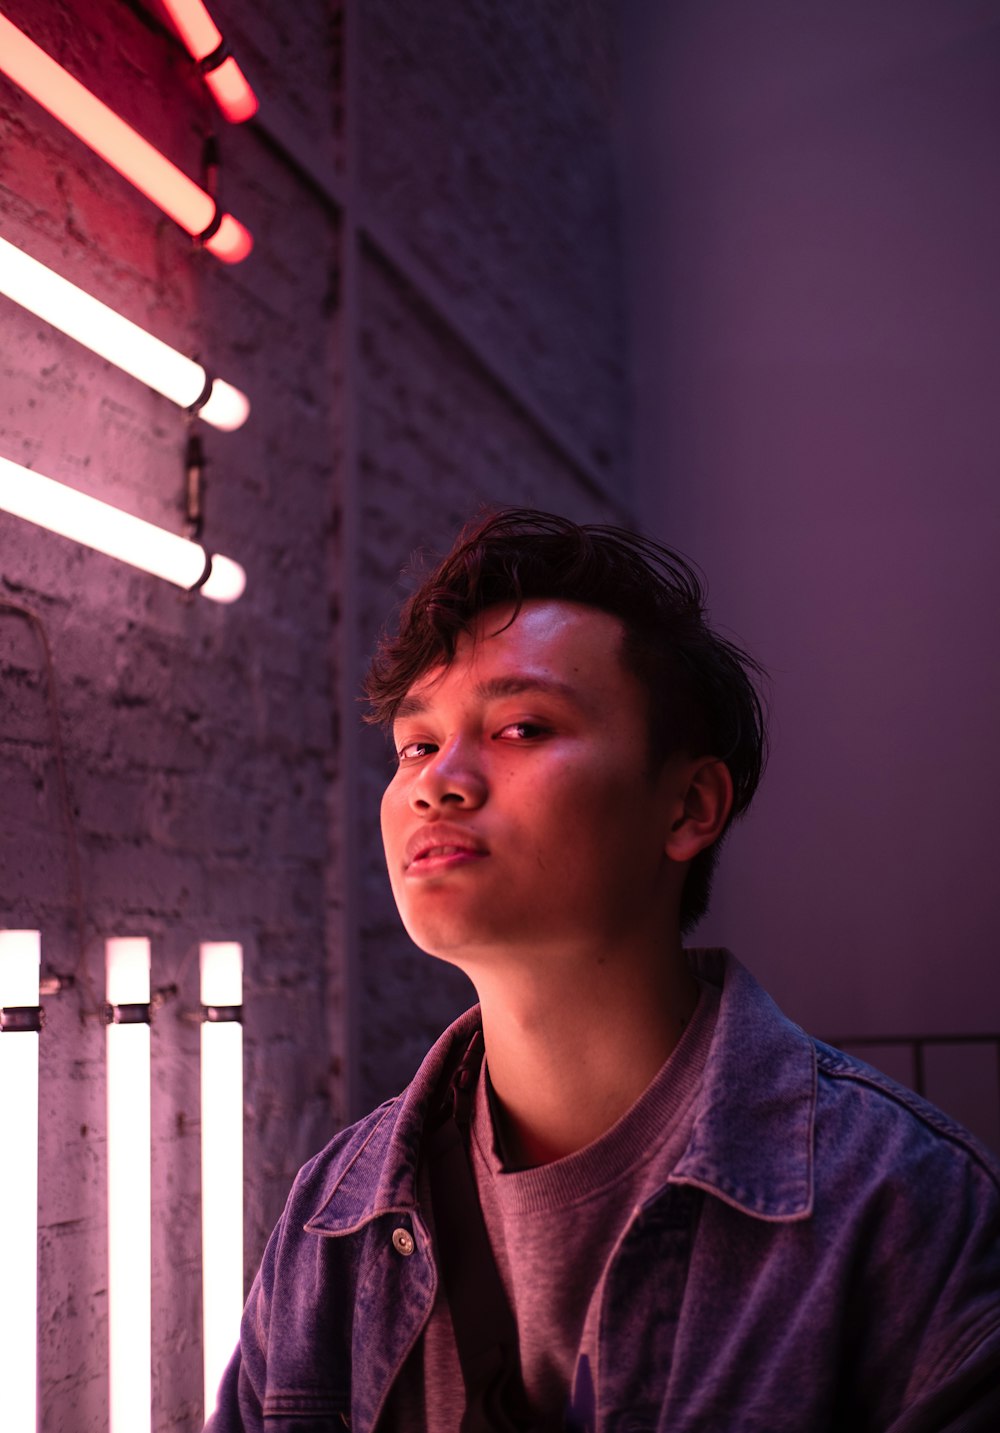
(414, 750)
(522, 731)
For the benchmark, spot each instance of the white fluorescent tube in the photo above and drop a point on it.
(221, 1157)
(123, 343)
(19, 963)
(129, 1188)
(118, 534)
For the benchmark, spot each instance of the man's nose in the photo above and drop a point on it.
(452, 777)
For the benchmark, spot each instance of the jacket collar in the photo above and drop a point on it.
(751, 1144)
(377, 1173)
(753, 1135)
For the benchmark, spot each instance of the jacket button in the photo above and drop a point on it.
(402, 1242)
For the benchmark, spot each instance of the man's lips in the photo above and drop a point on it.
(441, 842)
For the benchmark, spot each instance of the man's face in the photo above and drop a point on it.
(523, 816)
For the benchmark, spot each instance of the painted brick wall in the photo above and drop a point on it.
(438, 440)
(486, 145)
(199, 738)
(208, 770)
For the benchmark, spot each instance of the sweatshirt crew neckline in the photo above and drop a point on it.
(630, 1142)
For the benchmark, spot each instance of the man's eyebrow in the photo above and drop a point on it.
(514, 685)
(509, 686)
(409, 707)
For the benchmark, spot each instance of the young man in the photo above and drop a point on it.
(641, 1198)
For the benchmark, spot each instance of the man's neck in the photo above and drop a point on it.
(568, 1058)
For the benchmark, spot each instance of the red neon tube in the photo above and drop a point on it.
(205, 44)
(117, 142)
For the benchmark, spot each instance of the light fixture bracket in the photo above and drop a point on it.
(214, 58)
(222, 1014)
(194, 492)
(21, 1018)
(133, 1013)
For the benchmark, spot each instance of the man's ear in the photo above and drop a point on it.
(703, 799)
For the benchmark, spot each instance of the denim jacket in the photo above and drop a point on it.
(825, 1256)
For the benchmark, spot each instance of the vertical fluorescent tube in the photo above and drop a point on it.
(221, 1157)
(19, 961)
(129, 1191)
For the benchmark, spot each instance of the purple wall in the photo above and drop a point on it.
(815, 213)
(432, 318)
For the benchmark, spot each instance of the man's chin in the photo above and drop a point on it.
(460, 947)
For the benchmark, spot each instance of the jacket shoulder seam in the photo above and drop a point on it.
(840, 1066)
(356, 1140)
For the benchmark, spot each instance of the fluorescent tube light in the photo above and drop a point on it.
(118, 534)
(123, 343)
(19, 962)
(221, 1157)
(228, 87)
(205, 44)
(129, 1188)
(120, 145)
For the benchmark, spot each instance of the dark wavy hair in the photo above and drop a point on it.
(703, 690)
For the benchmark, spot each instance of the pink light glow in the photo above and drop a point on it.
(231, 242)
(201, 35)
(129, 1194)
(81, 518)
(45, 293)
(195, 26)
(19, 961)
(118, 143)
(221, 1161)
(231, 92)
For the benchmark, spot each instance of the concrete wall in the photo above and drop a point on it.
(814, 218)
(432, 317)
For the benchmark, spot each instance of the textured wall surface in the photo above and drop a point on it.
(458, 163)
(486, 143)
(438, 440)
(199, 738)
(485, 146)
